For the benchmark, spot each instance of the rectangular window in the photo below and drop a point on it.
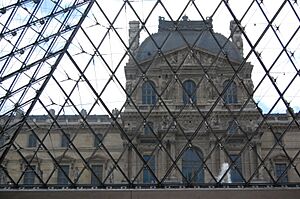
(148, 128)
(2, 139)
(147, 175)
(232, 127)
(2, 176)
(61, 177)
(29, 175)
(32, 141)
(98, 169)
(277, 139)
(65, 140)
(98, 140)
(281, 173)
(236, 170)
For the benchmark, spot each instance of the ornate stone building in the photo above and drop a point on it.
(189, 111)
(188, 96)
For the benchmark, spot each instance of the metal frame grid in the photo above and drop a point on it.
(42, 42)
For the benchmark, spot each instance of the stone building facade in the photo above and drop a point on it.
(188, 113)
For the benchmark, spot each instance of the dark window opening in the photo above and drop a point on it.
(32, 141)
(230, 95)
(147, 174)
(236, 169)
(97, 169)
(65, 140)
(148, 93)
(192, 166)
(29, 175)
(61, 174)
(189, 92)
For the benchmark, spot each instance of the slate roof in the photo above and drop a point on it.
(197, 33)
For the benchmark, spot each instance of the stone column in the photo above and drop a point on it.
(216, 162)
(213, 161)
(173, 174)
(163, 165)
(222, 157)
(129, 162)
(261, 169)
(247, 167)
(134, 162)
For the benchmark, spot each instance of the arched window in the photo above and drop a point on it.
(148, 93)
(230, 95)
(189, 92)
(192, 166)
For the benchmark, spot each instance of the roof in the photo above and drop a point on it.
(197, 34)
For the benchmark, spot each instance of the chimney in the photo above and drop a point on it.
(83, 112)
(19, 113)
(134, 35)
(52, 112)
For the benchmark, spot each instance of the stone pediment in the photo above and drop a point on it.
(185, 57)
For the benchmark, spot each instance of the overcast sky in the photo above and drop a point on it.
(112, 49)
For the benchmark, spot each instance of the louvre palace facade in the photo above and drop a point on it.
(189, 119)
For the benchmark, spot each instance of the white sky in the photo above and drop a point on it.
(113, 50)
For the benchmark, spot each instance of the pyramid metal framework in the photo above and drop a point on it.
(69, 55)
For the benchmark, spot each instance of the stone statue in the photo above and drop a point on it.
(236, 34)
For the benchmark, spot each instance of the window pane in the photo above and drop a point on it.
(280, 172)
(98, 169)
(230, 95)
(98, 140)
(278, 139)
(232, 127)
(148, 93)
(2, 140)
(148, 128)
(32, 141)
(61, 178)
(192, 167)
(65, 141)
(2, 176)
(189, 92)
(236, 170)
(29, 175)
(147, 175)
